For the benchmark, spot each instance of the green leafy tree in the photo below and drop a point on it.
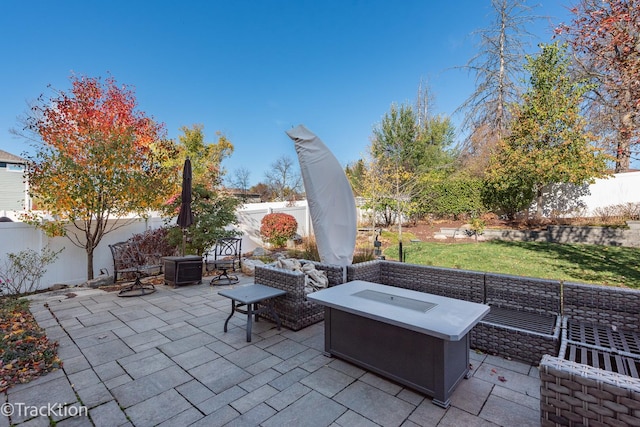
(213, 208)
(97, 159)
(547, 142)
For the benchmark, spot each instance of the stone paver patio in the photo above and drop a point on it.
(163, 359)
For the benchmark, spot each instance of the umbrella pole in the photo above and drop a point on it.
(184, 240)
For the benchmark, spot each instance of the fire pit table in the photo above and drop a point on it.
(417, 339)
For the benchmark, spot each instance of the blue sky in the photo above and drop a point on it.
(251, 69)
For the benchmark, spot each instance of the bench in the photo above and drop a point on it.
(524, 321)
(129, 260)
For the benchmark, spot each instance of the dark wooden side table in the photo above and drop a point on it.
(250, 296)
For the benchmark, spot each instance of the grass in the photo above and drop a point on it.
(605, 265)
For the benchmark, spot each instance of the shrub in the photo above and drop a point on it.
(277, 228)
(22, 271)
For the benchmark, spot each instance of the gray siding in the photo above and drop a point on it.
(11, 190)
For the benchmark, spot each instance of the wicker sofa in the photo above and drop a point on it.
(594, 380)
(448, 282)
(294, 310)
(524, 322)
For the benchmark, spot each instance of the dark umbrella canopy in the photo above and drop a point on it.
(185, 217)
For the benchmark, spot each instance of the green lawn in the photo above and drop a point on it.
(607, 265)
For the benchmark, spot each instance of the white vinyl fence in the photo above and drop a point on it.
(71, 265)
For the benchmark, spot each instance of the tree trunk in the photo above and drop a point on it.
(89, 263)
(623, 153)
(539, 201)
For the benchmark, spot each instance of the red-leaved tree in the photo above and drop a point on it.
(97, 159)
(605, 36)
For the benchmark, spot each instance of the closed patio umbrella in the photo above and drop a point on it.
(185, 217)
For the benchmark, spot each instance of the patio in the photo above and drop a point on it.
(163, 359)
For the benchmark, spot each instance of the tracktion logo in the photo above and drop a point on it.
(50, 409)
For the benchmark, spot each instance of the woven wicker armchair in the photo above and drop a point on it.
(595, 378)
(575, 394)
(294, 310)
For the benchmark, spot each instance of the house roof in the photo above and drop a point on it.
(10, 158)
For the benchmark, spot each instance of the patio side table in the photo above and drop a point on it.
(250, 296)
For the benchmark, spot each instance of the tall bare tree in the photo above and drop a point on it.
(283, 178)
(240, 179)
(498, 70)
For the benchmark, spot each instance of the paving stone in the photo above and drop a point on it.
(117, 381)
(471, 395)
(146, 340)
(381, 383)
(327, 381)
(194, 392)
(304, 412)
(220, 417)
(148, 365)
(315, 363)
(512, 380)
(75, 364)
(532, 402)
(77, 421)
(144, 324)
(263, 365)
(247, 356)
(499, 411)
(176, 331)
(93, 318)
(109, 370)
(221, 400)
(353, 419)
(427, 414)
(106, 352)
(253, 417)
(184, 418)
(345, 367)
(83, 379)
(98, 338)
(94, 395)
(190, 342)
(42, 393)
(373, 403)
(288, 379)
(286, 349)
(157, 409)
(100, 328)
(143, 388)
(197, 356)
(108, 415)
(287, 396)
(259, 380)
(219, 374)
(253, 398)
(411, 396)
(456, 417)
(220, 347)
(301, 359)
